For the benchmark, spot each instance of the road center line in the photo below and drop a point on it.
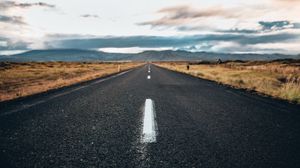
(149, 124)
(148, 77)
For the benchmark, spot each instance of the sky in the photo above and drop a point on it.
(131, 26)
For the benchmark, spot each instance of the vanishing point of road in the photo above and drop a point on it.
(149, 117)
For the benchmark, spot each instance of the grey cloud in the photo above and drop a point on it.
(132, 41)
(20, 45)
(236, 30)
(67, 36)
(191, 28)
(182, 18)
(182, 14)
(12, 4)
(296, 25)
(266, 27)
(248, 49)
(175, 42)
(13, 45)
(242, 31)
(3, 38)
(89, 16)
(274, 38)
(12, 19)
(17, 20)
(41, 4)
(206, 42)
(276, 25)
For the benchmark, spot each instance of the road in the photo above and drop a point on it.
(185, 122)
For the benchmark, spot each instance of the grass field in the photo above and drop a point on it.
(23, 79)
(280, 79)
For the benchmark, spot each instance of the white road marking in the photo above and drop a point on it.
(148, 77)
(149, 123)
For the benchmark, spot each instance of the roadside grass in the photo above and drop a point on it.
(280, 79)
(23, 79)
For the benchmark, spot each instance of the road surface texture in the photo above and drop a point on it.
(198, 123)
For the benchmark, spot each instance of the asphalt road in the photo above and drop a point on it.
(198, 124)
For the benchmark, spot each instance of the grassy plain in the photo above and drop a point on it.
(280, 79)
(23, 79)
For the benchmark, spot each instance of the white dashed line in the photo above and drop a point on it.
(148, 77)
(149, 124)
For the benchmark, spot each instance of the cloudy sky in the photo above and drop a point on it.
(235, 26)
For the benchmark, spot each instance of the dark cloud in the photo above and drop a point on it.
(242, 31)
(273, 38)
(265, 27)
(241, 42)
(13, 45)
(12, 4)
(12, 19)
(3, 38)
(17, 20)
(20, 45)
(276, 25)
(132, 41)
(175, 42)
(89, 16)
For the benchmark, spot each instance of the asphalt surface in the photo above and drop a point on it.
(199, 124)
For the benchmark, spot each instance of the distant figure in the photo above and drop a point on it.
(119, 68)
(219, 61)
(187, 67)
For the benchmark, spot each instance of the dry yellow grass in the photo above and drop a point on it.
(279, 79)
(23, 79)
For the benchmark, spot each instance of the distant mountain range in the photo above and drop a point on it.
(167, 55)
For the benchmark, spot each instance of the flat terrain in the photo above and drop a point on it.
(198, 124)
(280, 79)
(23, 79)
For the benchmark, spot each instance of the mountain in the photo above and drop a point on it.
(166, 55)
(63, 55)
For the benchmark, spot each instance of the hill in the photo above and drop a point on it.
(75, 55)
